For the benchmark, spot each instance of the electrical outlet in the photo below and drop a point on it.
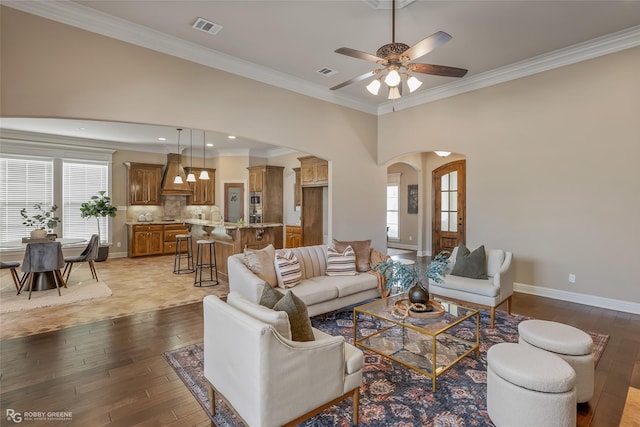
(572, 278)
(118, 244)
(410, 238)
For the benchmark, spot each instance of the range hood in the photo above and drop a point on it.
(174, 167)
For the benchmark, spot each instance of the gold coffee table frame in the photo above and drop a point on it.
(410, 341)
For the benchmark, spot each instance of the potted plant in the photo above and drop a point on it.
(99, 207)
(42, 220)
(406, 278)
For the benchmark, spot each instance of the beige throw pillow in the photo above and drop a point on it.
(260, 262)
(341, 263)
(288, 271)
(362, 248)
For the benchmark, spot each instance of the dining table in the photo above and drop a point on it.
(42, 281)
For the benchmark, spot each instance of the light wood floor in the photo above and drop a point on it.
(111, 371)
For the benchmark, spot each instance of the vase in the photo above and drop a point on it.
(419, 295)
(39, 234)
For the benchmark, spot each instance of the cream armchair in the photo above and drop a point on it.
(485, 293)
(268, 379)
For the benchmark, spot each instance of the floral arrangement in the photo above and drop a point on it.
(43, 219)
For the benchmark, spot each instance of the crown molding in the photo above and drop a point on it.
(600, 46)
(101, 23)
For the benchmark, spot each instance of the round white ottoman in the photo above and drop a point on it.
(573, 345)
(527, 387)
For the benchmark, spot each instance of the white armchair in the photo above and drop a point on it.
(268, 379)
(485, 293)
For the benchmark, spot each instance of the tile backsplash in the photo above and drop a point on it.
(174, 207)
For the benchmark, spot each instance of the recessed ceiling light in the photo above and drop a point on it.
(162, 139)
(209, 144)
(82, 128)
(231, 137)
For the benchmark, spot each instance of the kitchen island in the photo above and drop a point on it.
(232, 238)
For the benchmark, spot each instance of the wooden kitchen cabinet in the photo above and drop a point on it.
(294, 236)
(269, 181)
(314, 172)
(256, 178)
(297, 188)
(146, 240)
(170, 233)
(204, 191)
(144, 182)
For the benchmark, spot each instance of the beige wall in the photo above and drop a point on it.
(71, 73)
(552, 170)
(408, 223)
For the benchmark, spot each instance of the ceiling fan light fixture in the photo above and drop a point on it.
(394, 92)
(443, 153)
(393, 79)
(374, 87)
(413, 83)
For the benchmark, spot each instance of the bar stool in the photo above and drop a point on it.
(177, 266)
(200, 265)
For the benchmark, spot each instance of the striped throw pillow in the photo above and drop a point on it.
(341, 263)
(288, 269)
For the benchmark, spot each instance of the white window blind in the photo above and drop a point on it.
(23, 182)
(392, 211)
(81, 180)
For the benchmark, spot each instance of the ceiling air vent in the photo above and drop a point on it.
(326, 71)
(207, 26)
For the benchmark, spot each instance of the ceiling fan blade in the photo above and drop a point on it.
(437, 70)
(358, 54)
(355, 79)
(427, 45)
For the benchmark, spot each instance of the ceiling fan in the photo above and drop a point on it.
(396, 57)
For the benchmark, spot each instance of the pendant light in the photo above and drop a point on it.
(204, 175)
(191, 177)
(178, 178)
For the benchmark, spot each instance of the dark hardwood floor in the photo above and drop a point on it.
(112, 372)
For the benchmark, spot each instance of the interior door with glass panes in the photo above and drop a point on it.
(449, 218)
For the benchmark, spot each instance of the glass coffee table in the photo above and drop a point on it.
(430, 346)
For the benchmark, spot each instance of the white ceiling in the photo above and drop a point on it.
(285, 42)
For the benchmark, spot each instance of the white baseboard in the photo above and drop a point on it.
(402, 246)
(592, 300)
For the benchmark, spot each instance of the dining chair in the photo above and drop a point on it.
(88, 255)
(12, 265)
(41, 258)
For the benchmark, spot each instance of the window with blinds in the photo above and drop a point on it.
(80, 181)
(23, 182)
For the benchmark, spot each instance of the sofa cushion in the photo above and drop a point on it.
(341, 263)
(495, 259)
(278, 319)
(483, 287)
(270, 296)
(260, 262)
(316, 290)
(349, 285)
(312, 259)
(362, 248)
(295, 308)
(288, 269)
(470, 264)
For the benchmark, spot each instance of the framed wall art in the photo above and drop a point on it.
(412, 199)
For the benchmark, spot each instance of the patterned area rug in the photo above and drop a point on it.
(391, 395)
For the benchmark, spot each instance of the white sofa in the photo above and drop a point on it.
(269, 379)
(486, 293)
(321, 293)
